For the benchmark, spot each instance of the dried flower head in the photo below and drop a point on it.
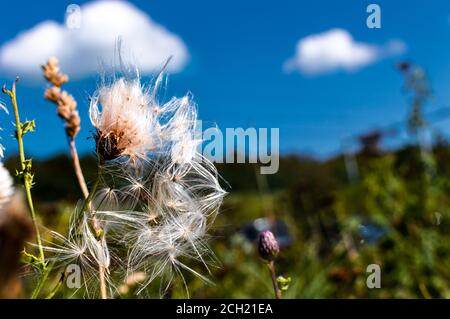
(268, 246)
(73, 124)
(157, 196)
(52, 72)
(125, 122)
(66, 104)
(156, 214)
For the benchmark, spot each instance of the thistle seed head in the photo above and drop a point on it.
(125, 124)
(155, 214)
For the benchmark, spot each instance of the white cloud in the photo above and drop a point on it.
(80, 50)
(337, 50)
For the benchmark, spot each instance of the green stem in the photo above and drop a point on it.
(26, 181)
(98, 230)
(57, 287)
(42, 280)
(88, 201)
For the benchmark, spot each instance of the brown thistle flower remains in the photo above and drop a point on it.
(108, 145)
(66, 104)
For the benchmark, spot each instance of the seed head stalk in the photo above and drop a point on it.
(77, 168)
(276, 289)
(27, 176)
(97, 228)
(57, 286)
(67, 111)
(103, 292)
(42, 280)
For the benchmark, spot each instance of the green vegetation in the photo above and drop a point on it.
(404, 194)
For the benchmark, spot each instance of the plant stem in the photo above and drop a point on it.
(56, 288)
(77, 168)
(26, 174)
(98, 230)
(102, 282)
(87, 203)
(41, 282)
(276, 289)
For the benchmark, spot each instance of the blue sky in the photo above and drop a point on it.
(235, 67)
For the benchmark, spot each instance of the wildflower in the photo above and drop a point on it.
(169, 202)
(268, 246)
(157, 196)
(268, 249)
(124, 120)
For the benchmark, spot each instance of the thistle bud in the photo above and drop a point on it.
(268, 246)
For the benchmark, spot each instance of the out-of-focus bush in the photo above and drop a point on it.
(396, 215)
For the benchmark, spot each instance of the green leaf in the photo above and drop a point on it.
(283, 283)
(28, 126)
(33, 261)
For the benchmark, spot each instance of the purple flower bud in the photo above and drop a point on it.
(268, 246)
